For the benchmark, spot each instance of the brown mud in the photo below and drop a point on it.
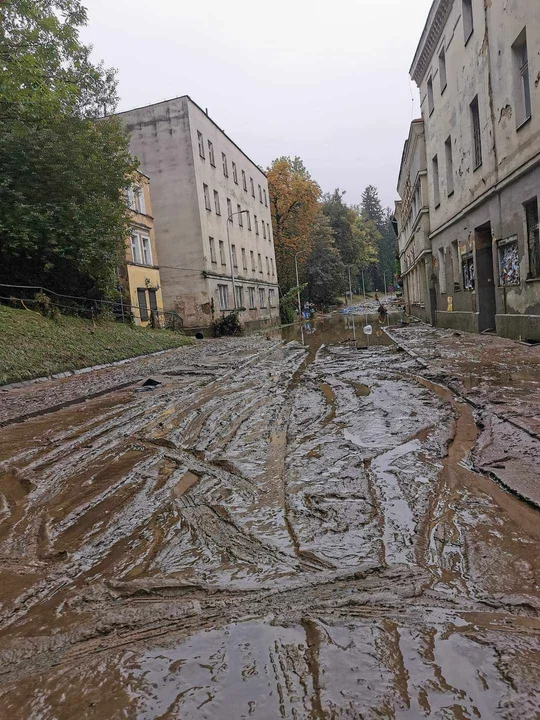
(276, 531)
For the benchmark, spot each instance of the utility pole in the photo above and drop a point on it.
(229, 219)
(364, 285)
(384, 274)
(353, 322)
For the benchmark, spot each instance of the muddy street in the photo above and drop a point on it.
(289, 526)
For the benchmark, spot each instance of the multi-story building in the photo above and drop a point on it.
(412, 216)
(478, 70)
(213, 224)
(140, 274)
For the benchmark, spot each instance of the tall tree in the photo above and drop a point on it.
(372, 209)
(294, 198)
(63, 219)
(325, 269)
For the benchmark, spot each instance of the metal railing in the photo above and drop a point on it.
(22, 296)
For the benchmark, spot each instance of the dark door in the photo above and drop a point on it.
(153, 300)
(485, 283)
(143, 307)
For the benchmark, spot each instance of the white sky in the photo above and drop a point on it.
(327, 81)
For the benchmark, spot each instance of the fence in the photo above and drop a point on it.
(25, 296)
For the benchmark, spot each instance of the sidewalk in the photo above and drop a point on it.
(501, 379)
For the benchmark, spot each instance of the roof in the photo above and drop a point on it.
(182, 97)
(431, 34)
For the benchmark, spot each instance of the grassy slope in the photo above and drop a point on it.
(32, 346)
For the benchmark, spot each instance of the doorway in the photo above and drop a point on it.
(485, 284)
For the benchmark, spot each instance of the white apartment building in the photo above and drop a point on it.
(213, 226)
(412, 216)
(478, 70)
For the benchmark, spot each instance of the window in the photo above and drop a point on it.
(252, 256)
(269, 235)
(264, 229)
(240, 216)
(146, 250)
(267, 266)
(216, 202)
(251, 298)
(442, 70)
(130, 198)
(272, 297)
(442, 272)
(262, 297)
(260, 194)
(212, 250)
(244, 181)
(234, 173)
(522, 86)
(449, 167)
(436, 186)
(211, 154)
(252, 186)
(248, 219)
(206, 197)
(533, 237)
(229, 209)
(223, 293)
(455, 266)
(468, 271)
(468, 22)
(259, 261)
(143, 307)
(225, 168)
(272, 266)
(135, 248)
(476, 135)
(200, 140)
(239, 296)
(265, 198)
(140, 203)
(430, 101)
(152, 298)
(256, 225)
(244, 259)
(234, 258)
(222, 252)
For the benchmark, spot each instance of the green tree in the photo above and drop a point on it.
(373, 211)
(325, 269)
(63, 219)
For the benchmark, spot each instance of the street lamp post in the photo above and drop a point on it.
(229, 219)
(298, 284)
(351, 296)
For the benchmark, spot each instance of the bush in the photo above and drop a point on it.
(227, 325)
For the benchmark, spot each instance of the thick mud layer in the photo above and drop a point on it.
(278, 532)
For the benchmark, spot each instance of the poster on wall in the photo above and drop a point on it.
(468, 272)
(509, 261)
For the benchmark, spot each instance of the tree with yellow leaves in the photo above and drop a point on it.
(294, 205)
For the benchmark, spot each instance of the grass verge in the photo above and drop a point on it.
(33, 346)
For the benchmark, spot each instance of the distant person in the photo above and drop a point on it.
(383, 314)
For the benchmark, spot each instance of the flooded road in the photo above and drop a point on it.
(286, 527)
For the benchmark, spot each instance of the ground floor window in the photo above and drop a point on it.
(468, 271)
(223, 292)
(272, 297)
(509, 261)
(239, 297)
(262, 297)
(533, 237)
(251, 298)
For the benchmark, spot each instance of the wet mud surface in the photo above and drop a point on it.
(278, 530)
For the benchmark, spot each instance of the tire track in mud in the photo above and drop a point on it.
(303, 499)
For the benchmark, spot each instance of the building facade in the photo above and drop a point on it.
(478, 70)
(412, 216)
(140, 275)
(213, 225)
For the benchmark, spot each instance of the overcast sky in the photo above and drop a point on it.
(327, 81)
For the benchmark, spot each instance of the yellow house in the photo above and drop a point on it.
(140, 276)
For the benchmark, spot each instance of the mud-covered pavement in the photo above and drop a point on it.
(274, 532)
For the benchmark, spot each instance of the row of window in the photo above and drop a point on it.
(141, 248)
(270, 270)
(224, 303)
(263, 197)
(239, 212)
(463, 270)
